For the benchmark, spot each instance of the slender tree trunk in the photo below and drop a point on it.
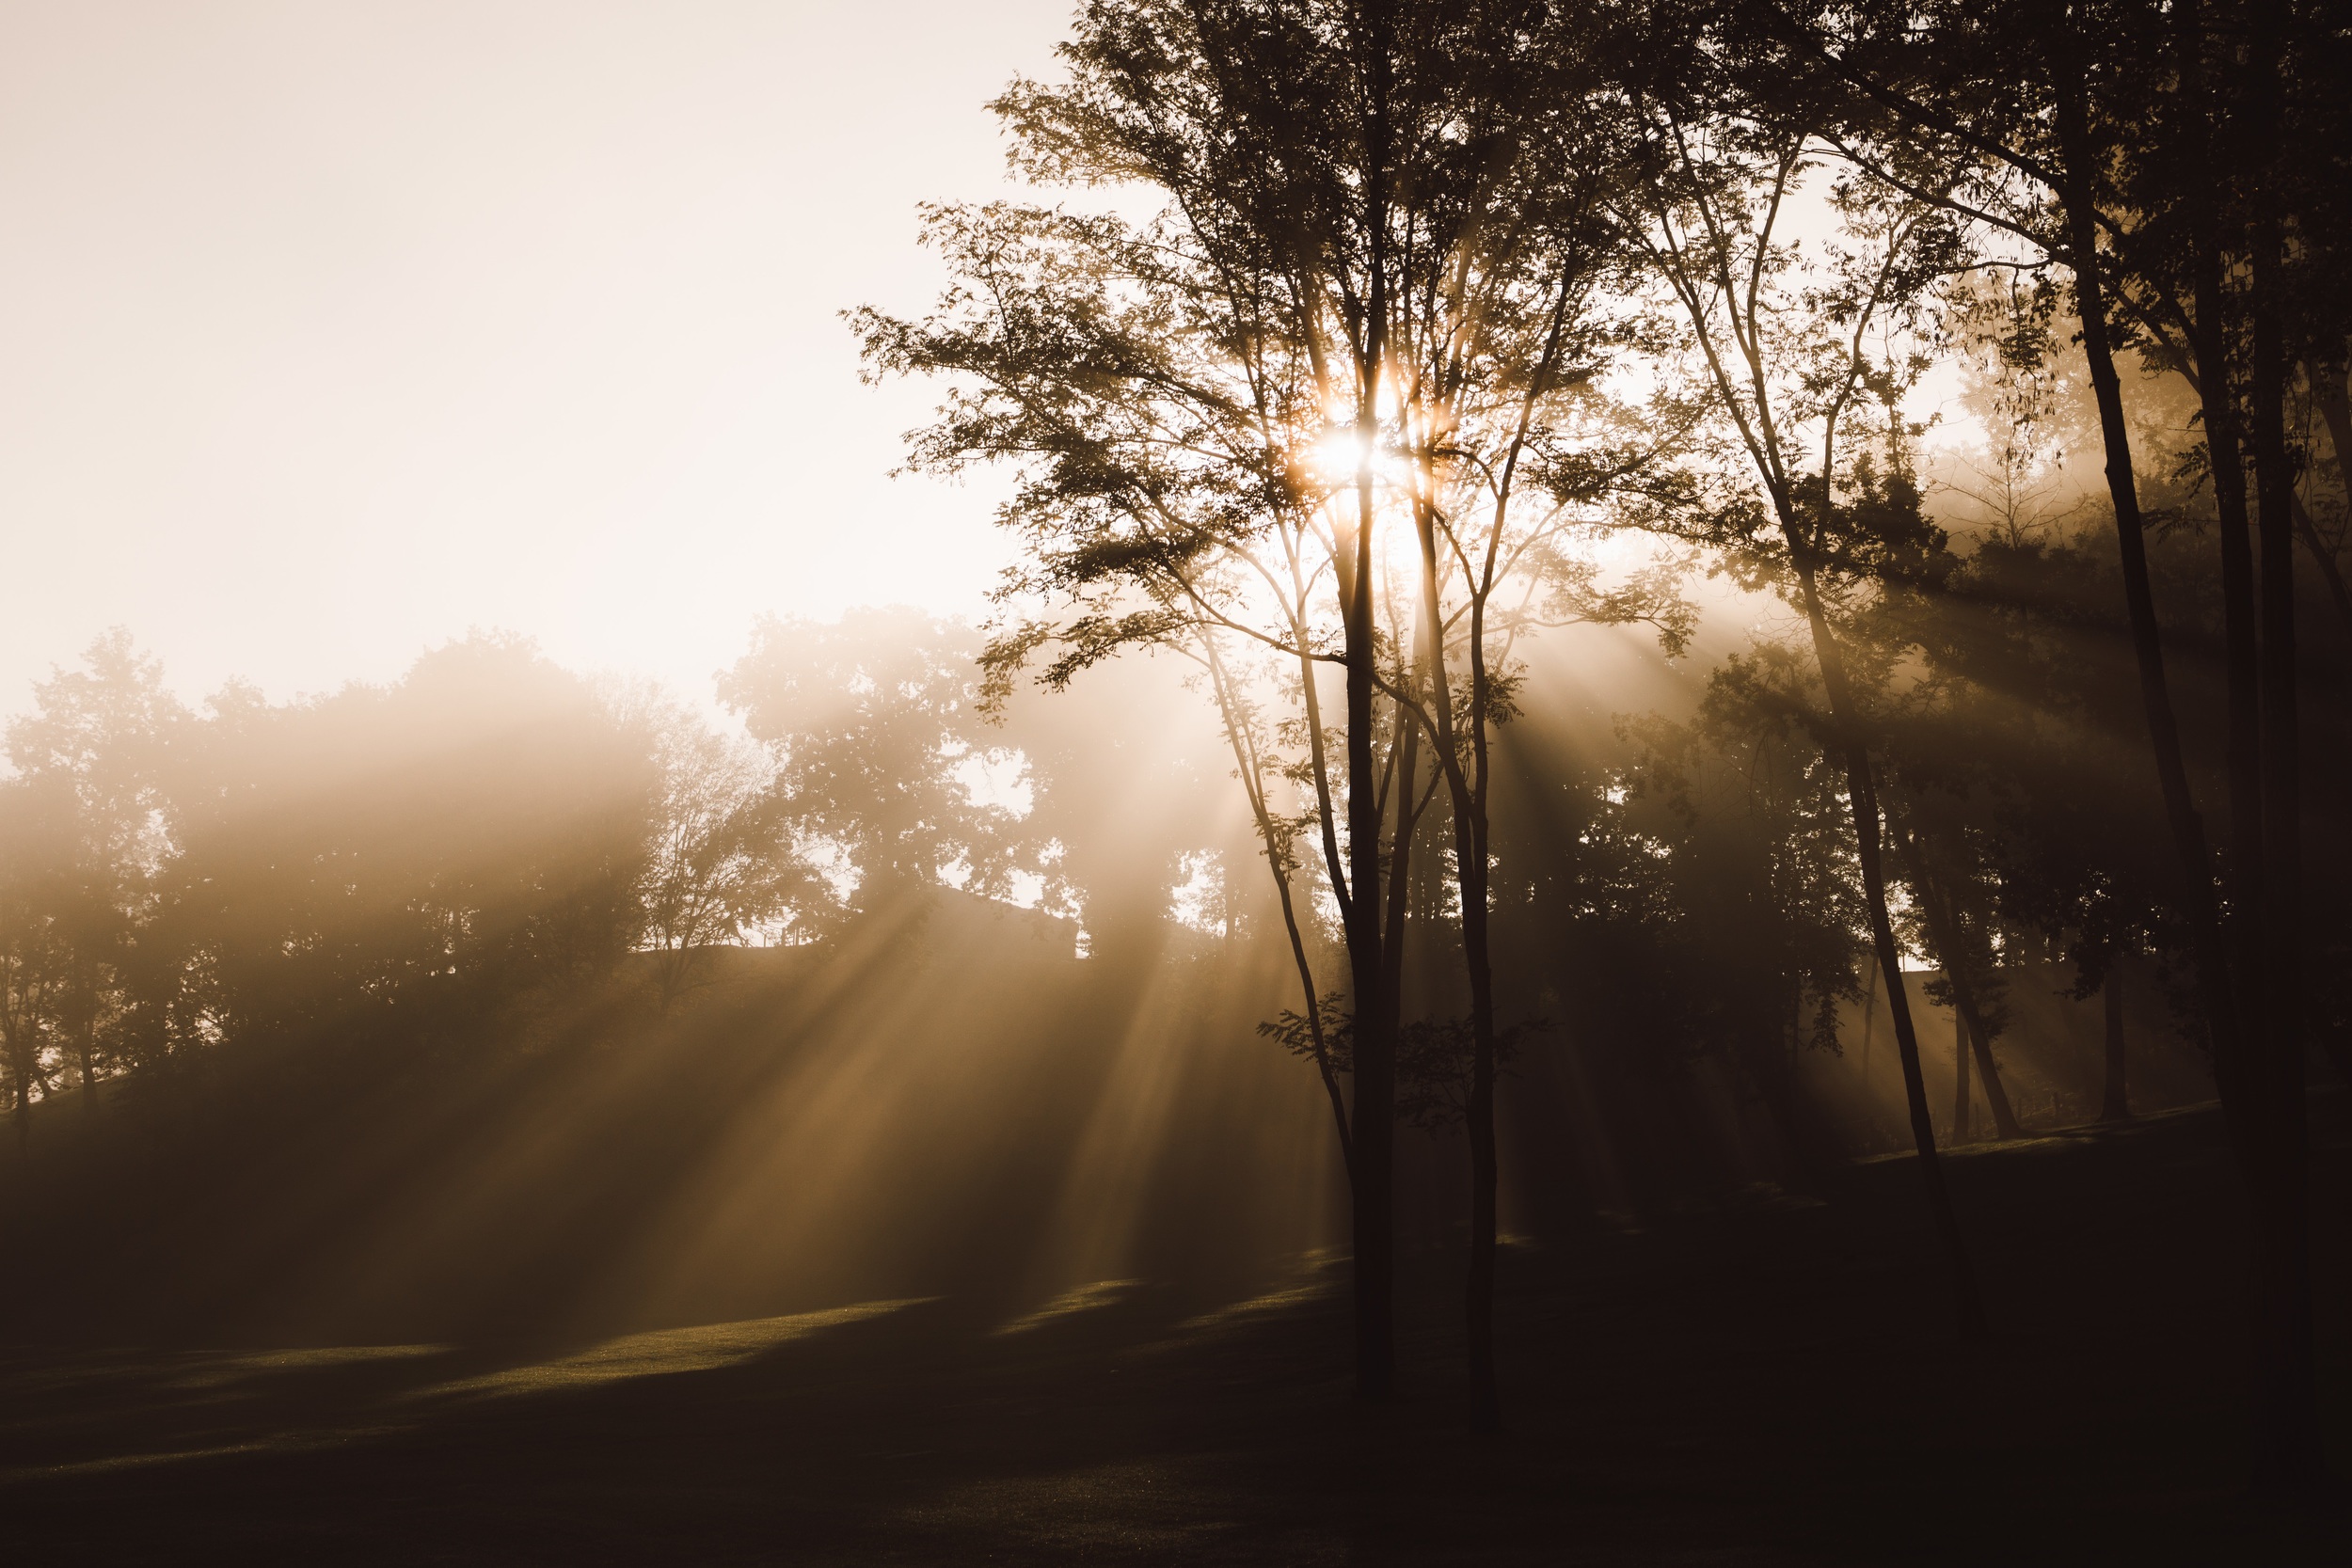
(1466, 786)
(1372, 1120)
(2185, 827)
(1968, 1304)
(2287, 1456)
(1945, 930)
(1862, 793)
(2005, 1122)
(1959, 1076)
(1407, 778)
(2115, 1103)
(2217, 391)
(1870, 1015)
(1248, 761)
(1372, 968)
(1314, 1023)
(1849, 747)
(1467, 793)
(1479, 1292)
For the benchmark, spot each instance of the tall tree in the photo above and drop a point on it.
(1204, 403)
(1503, 447)
(96, 738)
(1720, 179)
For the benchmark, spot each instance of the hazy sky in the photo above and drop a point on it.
(328, 330)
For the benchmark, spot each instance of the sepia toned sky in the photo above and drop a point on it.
(331, 329)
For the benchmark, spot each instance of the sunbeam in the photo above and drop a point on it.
(1269, 781)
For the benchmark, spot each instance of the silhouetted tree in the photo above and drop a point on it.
(1795, 366)
(716, 874)
(1195, 403)
(93, 751)
(885, 773)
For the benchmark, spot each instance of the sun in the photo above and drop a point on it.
(1343, 453)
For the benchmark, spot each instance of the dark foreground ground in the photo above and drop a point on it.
(1769, 1384)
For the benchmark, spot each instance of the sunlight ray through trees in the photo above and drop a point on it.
(1631, 627)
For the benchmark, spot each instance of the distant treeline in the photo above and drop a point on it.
(446, 856)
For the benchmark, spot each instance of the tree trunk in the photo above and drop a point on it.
(2180, 815)
(1466, 791)
(1870, 1015)
(1249, 765)
(2005, 1122)
(2115, 1103)
(1845, 743)
(1945, 932)
(1372, 970)
(1479, 1292)
(2216, 392)
(1960, 1077)
(1862, 793)
(1968, 1305)
(1373, 1118)
(2287, 1449)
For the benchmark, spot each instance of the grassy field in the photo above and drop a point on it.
(1772, 1382)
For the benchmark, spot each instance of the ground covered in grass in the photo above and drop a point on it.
(1771, 1382)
